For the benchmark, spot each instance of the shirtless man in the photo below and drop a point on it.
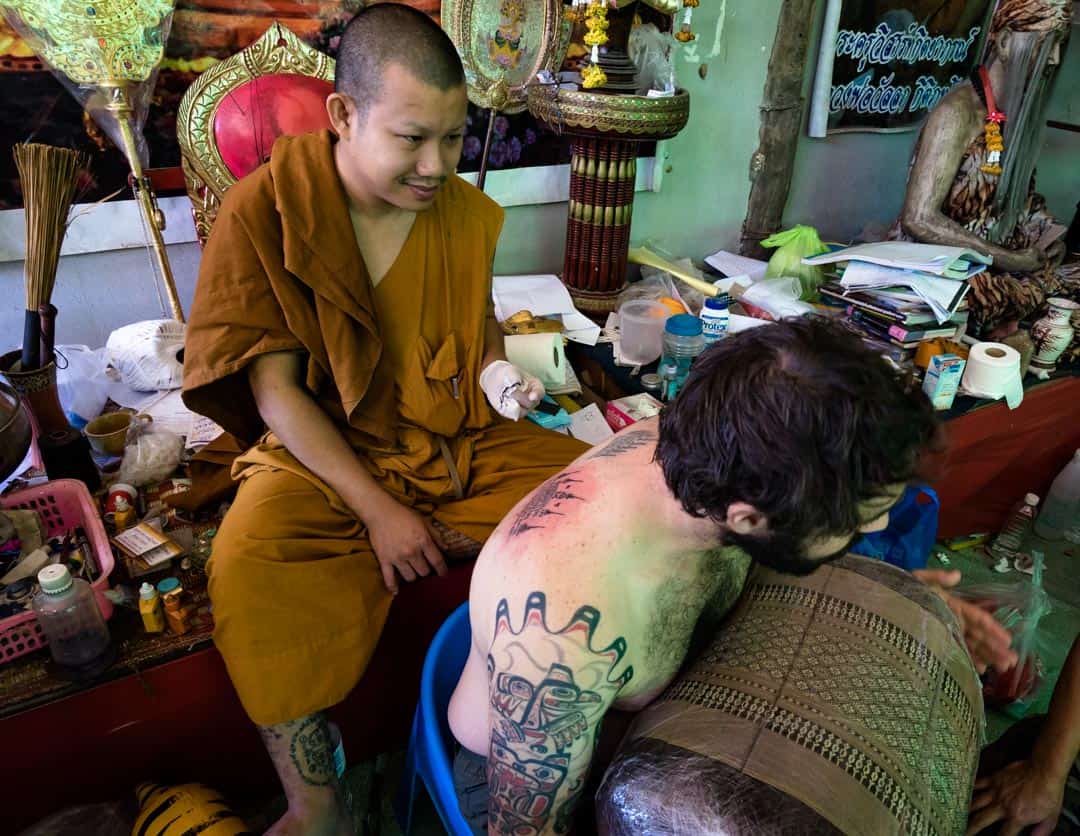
(786, 442)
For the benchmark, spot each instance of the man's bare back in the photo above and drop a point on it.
(786, 441)
(584, 599)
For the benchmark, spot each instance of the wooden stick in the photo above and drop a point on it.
(772, 165)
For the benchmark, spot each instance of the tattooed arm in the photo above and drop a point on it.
(549, 690)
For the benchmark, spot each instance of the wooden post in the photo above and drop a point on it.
(772, 163)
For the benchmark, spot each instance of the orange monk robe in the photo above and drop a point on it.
(299, 601)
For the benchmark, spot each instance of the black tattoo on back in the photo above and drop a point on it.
(547, 501)
(624, 442)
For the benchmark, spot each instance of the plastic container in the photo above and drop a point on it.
(151, 610)
(641, 330)
(714, 318)
(1062, 502)
(63, 505)
(683, 342)
(1007, 543)
(68, 614)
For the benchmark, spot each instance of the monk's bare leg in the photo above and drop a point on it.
(304, 760)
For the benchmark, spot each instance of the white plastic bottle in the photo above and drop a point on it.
(68, 613)
(1061, 503)
(1008, 541)
(714, 319)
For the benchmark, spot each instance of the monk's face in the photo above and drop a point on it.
(407, 144)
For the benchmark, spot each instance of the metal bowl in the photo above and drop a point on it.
(15, 431)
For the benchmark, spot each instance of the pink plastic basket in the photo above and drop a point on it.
(62, 505)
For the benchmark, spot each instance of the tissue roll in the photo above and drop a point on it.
(541, 355)
(992, 369)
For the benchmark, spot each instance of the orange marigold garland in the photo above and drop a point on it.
(995, 143)
(596, 24)
(685, 34)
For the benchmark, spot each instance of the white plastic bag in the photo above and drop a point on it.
(650, 50)
(82, 381)
(779, 298)
(147, 354)
(150, 455)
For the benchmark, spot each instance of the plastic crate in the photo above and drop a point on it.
(62, 505)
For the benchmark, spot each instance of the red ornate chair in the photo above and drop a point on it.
(229, 118)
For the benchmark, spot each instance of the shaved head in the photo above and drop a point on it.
(389, 33)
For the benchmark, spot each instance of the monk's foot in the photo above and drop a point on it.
(334, 821)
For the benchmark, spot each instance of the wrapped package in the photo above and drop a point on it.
(842, 702)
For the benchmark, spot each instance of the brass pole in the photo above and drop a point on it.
(119, 105)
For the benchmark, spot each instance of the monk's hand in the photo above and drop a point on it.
(405, 543)
(987, 641)
(1019, 796)
(511, 391)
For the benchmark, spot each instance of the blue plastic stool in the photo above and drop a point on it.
(431, 744)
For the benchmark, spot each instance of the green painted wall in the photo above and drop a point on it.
(702, 203)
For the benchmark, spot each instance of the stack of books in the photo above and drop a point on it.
(891, 322)
(897, 294)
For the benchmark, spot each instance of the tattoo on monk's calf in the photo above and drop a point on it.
(546, 714)
(311, 754)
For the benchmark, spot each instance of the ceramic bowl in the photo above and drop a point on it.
(107, 433)
(15, 431)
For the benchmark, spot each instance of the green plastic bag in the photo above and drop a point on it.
(793, 245)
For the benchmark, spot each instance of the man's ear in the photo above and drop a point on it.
(343, 116)
(746, 520)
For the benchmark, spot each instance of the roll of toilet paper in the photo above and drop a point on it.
(993, 371)
(539, 354)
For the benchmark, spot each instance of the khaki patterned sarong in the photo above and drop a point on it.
(844, 701)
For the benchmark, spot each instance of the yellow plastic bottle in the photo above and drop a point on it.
(153, 615)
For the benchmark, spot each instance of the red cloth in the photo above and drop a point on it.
(996, 455)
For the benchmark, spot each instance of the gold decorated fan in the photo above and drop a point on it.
(504, 44)
(106, 52)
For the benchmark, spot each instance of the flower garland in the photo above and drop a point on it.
(995, 144)
(596, 24)
(685, 34)
(595, 14)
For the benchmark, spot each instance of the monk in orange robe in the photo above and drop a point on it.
(343, 307)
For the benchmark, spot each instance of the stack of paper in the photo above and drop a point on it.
(951, 262)
(935, 275)
(542, 296)
(942, 295)
(731, 265)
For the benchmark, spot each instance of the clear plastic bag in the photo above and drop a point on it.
(150, 454)
(82, 381)
(650, 49)
(1019, 606)
(792, 246)
(658, 286)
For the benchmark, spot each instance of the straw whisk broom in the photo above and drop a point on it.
(50, 181)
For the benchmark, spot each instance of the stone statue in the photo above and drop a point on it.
(959, 193)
